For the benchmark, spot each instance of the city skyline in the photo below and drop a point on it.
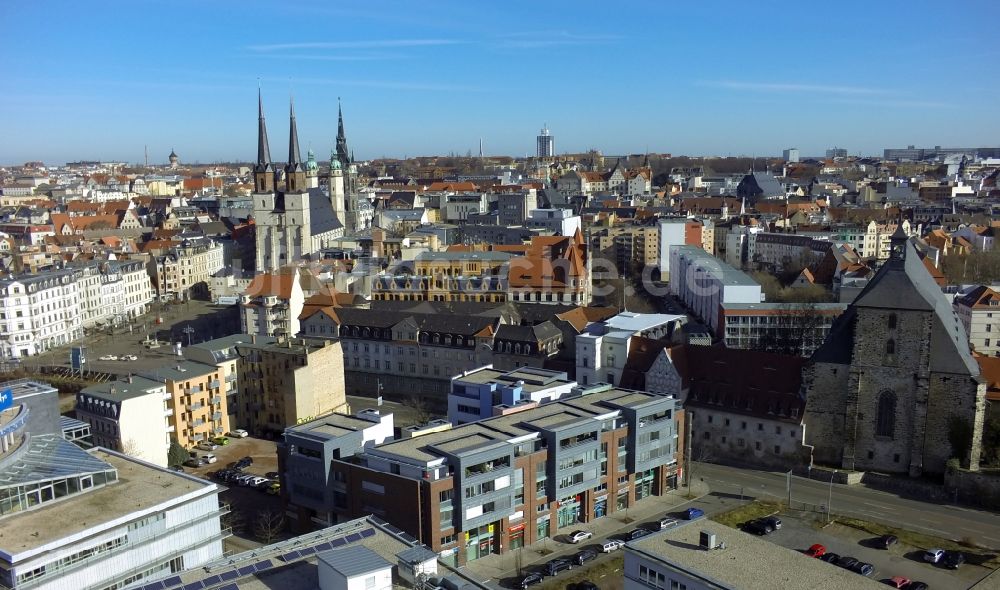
(106, 83)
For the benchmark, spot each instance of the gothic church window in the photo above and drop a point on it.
(892, 321)
(890, 347)
(885, 415)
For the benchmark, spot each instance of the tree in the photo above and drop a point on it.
(421, 411)
(269, 525)
(235, 521)
(131, 448)
(177, 454)
(794, 332)
(991, 442)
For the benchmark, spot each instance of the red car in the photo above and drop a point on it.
(816, 550)
(898, 582)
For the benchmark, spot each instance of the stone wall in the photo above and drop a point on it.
(725, 437)
(825, 386)
(980, 488)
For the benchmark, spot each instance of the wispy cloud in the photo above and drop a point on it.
(389, 84)
(326, 57)
(895, 103)
(536, 39)
(360, 44)
(792, 87)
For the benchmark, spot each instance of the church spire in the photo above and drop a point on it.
(293, 139)
(342, 152)
(263, 149)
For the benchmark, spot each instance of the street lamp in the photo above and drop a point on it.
(188, 330)
(829, 499)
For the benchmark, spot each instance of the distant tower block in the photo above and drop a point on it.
(546, 143)
(174, 160)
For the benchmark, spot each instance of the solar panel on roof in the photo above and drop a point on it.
(226, 576)
(264, 565)
(353, 538)
(245, 570)
(230, 587)
(337, 543)
(211, 581)
(194, 585)
(290, 556)
(307, 551)
(172, 581)
(324, 547)
(153, 586)
(368, 533)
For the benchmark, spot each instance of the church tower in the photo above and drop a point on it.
(337, 197)
(312, 170)
(295, 170)
(263, 171)
(343, 155)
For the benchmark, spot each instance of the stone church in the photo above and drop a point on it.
(295, 218)
(884, 390)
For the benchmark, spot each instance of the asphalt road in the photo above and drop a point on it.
(943, 520)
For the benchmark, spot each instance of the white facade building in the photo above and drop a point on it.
(560, 222)
(704, 283)
(354, 568)
(979, 311)
(487, 392)
(129, 416)
(603, 349)
(39, 312)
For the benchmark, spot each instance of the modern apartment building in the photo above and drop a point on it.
(557, 222)
(513, 208)
(787, 328)
(92, 519)
(306, 475)
(676, 231)
(39, 312)
(704, 283)
(288, 382)
(195, 394)
(486, 392)
(131, 416)
(628, 244)
(499, 484)
(223, 353)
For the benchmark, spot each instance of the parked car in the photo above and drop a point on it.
(557, 565)
(772, 521)
(897, 582)
(586, 585)
(108, 357)
(274, 489)
(207, 446)
(953, 559)
(194, 462)
(209, 458)
(220, 440)
(667, 522)
(831, 558)
(247, 460)
(584, 556)
(865, 569)
(611, 545)
(847, 562)
(636, 534)
(530, 579)
(129, 357)
(272, 475)
(255, 481)
(816, 550)
(239, 433)
(886, 541)
(243, 463)
(577, 536)
(757, 527)
(693, 513)
(917, 586)
(933, 555)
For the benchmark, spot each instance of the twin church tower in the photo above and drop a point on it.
(295, 217)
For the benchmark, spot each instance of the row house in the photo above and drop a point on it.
(186, 269)
(272, 304)
(447, 276)
(39, 312)
(404, 354)
(494, 486)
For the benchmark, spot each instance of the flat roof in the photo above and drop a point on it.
(140, 486)
(637, 322)
(534, 379)
(332, 425)
(747, 562)
(179, 371)
(806, 306)
(354, 560)
(719, 269)
(122, 389)
(26, 387)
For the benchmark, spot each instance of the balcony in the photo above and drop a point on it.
(168, 412)
(217, 416)
(195, 406)
(231, 378)
(197, 423)
(214, 384)
(196, 389)
(216, 399)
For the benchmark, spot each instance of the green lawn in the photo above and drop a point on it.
(737, 516)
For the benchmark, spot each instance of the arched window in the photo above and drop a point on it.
(890, 346)
(892, 321)
(885, 416)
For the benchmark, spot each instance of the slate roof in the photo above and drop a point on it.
(322, 217)
(534, 334)
(905, 285)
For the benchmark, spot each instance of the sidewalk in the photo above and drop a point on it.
(492, 568)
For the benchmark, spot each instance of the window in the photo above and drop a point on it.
(892, 321)
(370, 582)
(885, 415)
(777, 449)
(890, 346)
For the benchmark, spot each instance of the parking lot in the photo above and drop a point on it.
(900, 560)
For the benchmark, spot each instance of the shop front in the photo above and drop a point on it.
(479, 542)
(516, 535)
(600, 506)
(569, 511)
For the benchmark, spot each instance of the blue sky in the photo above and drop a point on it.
(86, 80)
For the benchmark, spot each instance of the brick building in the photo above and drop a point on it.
(508, 481)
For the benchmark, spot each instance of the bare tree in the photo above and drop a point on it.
(131, 448)
(268, 525)
(794, 332)
(418, 405)
(235, 521)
